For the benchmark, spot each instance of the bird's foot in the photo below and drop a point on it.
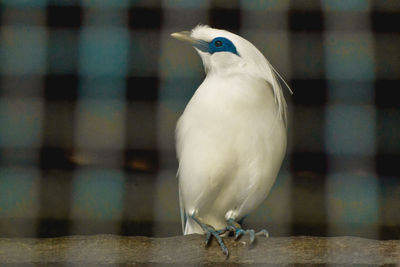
(210, 232)
(232, 227)
(238, 231)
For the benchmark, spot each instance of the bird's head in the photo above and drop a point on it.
(223, 50)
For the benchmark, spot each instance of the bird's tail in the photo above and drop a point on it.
(189, 226)
(192, 227)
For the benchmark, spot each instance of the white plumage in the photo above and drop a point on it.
(231, 138)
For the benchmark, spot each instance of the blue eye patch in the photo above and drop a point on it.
(219, 44)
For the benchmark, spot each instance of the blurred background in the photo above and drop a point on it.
(90, 92)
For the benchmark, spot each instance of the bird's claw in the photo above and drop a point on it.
(208, 239)
(263, 232)
(233, 227)
(210, 232)
(252, 235)
(238, 231)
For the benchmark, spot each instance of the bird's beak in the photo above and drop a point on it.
(197, 43)
(183, 36)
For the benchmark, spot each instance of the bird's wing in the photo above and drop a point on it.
(269, 73)
(279, 97)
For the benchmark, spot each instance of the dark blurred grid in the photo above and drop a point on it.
(91, 91)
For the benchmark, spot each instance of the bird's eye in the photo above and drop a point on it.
(221, 44)
(218, 43)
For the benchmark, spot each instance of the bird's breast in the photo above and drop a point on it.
(232, 100)
(230, 114)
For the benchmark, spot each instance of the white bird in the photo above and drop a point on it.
(231, 137)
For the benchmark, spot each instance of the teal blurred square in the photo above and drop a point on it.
(23, 50)
(350, 129)
(98, 194)
(349, 56)
(24, 3)
(265, 5)
(185, 3)
(20, 122)
(106, 3)
(352, 199)
(348, 5)
(19, 193)
(104, 51)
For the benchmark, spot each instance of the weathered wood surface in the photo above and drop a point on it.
(108, 250)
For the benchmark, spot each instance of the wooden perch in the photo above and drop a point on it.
(106, 250)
